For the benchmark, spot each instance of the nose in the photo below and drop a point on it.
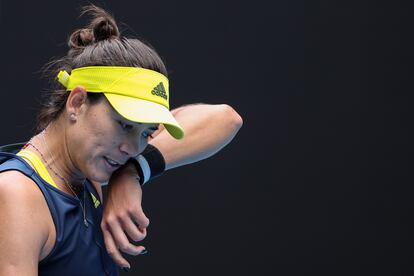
(130, 146)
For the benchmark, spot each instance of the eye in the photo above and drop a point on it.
(125, 126)
(147, 134)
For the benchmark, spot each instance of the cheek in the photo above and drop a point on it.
(102, 140)
(97, 137)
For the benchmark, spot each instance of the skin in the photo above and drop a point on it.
(79, 144)
(208, 128)
(96, 132)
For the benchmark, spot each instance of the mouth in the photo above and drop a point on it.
(112, 163)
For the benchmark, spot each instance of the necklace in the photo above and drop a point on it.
(61, 177)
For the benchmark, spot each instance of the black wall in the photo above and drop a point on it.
(317, 182)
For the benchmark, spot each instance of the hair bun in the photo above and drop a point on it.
(81, 38)
(104, 28)
(101, 27)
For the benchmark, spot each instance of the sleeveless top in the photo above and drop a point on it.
(79, 249)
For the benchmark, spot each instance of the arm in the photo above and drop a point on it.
(24, 228)
(208, 128)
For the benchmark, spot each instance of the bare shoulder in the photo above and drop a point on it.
(19, 189)
(25, 226)
(21, 196)
(14, 181)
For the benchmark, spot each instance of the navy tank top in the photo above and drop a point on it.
(79, 249)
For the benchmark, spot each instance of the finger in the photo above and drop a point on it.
(133, 231)
(113, 251)
(140, 219)
(122, 241)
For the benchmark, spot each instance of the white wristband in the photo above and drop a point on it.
(146, 171)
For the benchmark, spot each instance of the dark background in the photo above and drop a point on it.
(317, 182)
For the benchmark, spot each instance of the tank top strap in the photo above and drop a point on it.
(10, 161)
(37, 165)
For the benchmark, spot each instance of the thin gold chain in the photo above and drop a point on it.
(67, 184)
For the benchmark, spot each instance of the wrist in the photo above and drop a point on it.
(130, 168)
(149, 164)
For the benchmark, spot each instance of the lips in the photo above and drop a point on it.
(112, 162)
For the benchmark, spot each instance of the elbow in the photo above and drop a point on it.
(234, 120)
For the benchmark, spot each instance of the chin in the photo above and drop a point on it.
(101, 178)
(98, 171)
(98, 176)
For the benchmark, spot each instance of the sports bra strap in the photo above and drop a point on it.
(37, 165)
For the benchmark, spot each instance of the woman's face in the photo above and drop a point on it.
(101, 140)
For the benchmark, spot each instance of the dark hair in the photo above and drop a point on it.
(98, 44)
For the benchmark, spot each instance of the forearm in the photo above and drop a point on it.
(208, 128)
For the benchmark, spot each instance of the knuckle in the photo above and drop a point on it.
(141, 237)
(138, 237)
(134, 209)
(109, 220)
(111, 252)
(104, 226)
(142, 220)
(122, 216)
(146, 222)
(134, 236)
(124, 247)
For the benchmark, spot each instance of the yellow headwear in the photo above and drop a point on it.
(138, 94)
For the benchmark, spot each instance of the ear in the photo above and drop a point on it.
(76, 101)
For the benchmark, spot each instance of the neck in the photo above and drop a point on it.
(52, 143)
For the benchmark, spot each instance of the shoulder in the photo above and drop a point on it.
(25, 226)
(14, 180)
(18, 188)
(20, 195)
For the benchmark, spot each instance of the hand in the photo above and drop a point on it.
(123, 217)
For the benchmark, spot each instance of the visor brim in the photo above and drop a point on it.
(142, 111)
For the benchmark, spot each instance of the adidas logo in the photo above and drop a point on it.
(96, 202)
(159, 90)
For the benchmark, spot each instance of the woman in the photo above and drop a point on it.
(113, 97)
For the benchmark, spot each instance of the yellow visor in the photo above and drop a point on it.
(137, 94)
